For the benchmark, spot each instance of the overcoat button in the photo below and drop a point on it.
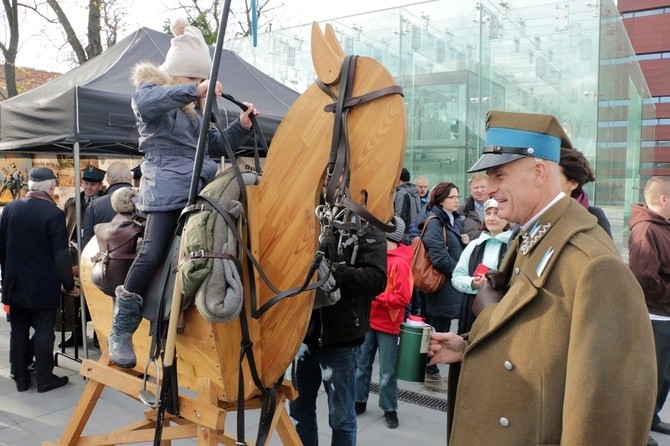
(508, 365)
(504, 422)
(517, 270)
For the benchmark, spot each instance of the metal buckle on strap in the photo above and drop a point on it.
(198, 254)
(499, 150)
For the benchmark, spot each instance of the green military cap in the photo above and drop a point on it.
(93, 174)
(510, 136)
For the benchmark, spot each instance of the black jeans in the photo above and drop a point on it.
(158, 231)
(662, 342)
(19, 343)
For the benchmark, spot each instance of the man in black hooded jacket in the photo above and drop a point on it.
(335, 333)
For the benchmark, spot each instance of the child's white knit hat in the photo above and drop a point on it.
(188, 55)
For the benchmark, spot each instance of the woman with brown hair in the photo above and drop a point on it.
(576, 172)
(444, 240)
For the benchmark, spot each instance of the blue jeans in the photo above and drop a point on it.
(662, 342)
(388, 384)
(336, 368)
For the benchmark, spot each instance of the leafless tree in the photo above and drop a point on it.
(9, 49)
(105, 19)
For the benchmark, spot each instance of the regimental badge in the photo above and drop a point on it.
(530, 238)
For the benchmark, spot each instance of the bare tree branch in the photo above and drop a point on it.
(72, 38)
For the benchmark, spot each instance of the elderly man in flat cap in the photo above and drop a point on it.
(36, 268)
(562, 350)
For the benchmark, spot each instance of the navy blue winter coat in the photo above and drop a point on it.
(444, 255)
(34, 253)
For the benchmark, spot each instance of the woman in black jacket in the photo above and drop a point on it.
(444, 240)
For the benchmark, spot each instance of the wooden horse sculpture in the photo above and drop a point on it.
(283, 231)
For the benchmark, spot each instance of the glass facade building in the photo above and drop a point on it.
(457, 60)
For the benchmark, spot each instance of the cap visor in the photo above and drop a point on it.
(489, 160)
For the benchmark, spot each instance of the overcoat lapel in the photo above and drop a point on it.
(528, 268)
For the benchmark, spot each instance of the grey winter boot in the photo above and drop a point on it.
(127, 317)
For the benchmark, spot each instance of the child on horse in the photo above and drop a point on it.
(168, 106)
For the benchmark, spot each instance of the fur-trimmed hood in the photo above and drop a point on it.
(149, 73)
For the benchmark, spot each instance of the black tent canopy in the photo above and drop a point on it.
(90, 105)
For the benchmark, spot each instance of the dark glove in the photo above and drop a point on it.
(491, 292)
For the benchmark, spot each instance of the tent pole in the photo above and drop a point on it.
(77, 204)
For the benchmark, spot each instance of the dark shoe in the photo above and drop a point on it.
(661, 427)
(360, 407)
(651, 441)
(391, 419)
(69, 342)
(53, 383)
(22, 386)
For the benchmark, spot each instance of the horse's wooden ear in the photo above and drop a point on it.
(331, 38)
(327, 62)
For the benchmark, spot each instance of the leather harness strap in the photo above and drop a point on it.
(362, 99)
(338, 167)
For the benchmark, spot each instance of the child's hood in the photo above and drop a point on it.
(149, 73)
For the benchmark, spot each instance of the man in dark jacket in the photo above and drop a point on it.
(100, 211)
(472, 211)
(649, 259)
(406, 203)
(36, 268)
(335, 333)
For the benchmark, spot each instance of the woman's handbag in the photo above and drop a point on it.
(426, 277)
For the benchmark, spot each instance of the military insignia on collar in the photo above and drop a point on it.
(533, 236)
(545, 259)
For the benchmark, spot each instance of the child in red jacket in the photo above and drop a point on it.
(386, 315)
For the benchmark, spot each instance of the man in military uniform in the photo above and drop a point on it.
(562, 350)
(91, 184)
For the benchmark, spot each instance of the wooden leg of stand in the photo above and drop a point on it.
(87, 401)
(285, 428)
(207, 395)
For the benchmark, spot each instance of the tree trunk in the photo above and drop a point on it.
(9, 51)
(94, 46)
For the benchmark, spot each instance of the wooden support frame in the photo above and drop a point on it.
(201, 417)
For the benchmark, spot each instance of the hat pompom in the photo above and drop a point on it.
(122, 200)
(178, 26)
